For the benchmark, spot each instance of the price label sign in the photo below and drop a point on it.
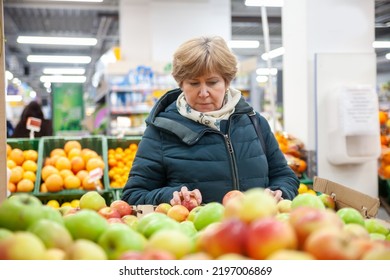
(34, 124)
(95, 175)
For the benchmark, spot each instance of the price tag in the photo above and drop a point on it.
(34, 124)
(95, 175)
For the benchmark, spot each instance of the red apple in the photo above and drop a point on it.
(230, 195)
(226, 237)
(288, 254)
(131, 255)
(130, 220)
(268, 235)
(190, 204)
(328, 201)
(178, 212)
(331, 244)
(108, 212)
(306, 220)
(122, 207)
(163, 208)
(156, 254)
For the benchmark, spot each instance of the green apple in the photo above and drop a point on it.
(53, 234)
(84, 249)
(145, 220)
(350, 215)
(86, 224)
(92, 200)
(131, 221)
(19, 211)
(188, 228)
(284, 206)
(377, 236)
(4, 233)
(173, 241)
(163, 208)
(159, 224)
(22, 245)
(308, 200)
(54, 254)
(119, 238)
(193, 212)
(210, 213)
(374, 225)
(53, 214)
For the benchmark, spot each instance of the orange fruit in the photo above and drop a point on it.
(386, 171)
(43, 188)
(11, 187)
(82, 174)
(16, 174)
(383, 117)
(65, 173)
(77, 164)
(30, 165)
(47, 171)
(69, 145)
(63, 163)
(25, 185)
(30, 175)
(54, 183)
(31, 155)
(94, 163)
(72, 182)
(58, 152)
(10, 163)
(133, 146)
(9, 149)
(74, 152)
(87, 154)
(90, 185)
(17, 156)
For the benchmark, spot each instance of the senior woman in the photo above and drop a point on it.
(200, 140)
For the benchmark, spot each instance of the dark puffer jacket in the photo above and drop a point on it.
(176, 151)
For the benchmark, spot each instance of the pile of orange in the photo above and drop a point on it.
(69, 168)
(120, 161)
(23, 167)
(384, 159)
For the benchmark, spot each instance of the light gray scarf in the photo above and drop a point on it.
(212, 118)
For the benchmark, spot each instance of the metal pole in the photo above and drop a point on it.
(264, 21)
(3, 118)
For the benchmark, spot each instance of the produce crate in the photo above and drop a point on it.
(48, 143)
(124, 143)
(304, 179)
(26, 144)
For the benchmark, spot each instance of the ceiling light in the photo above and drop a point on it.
(266, 71)
(261, 79)
(13, 98)
(381, 44)
(63, 79)
(387, 56)
(64, 71)
(59, 59)
(265, 3)
(96, 1)
(244, 44)
(56, 40)
(272, 54)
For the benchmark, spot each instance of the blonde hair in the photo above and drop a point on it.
(201, 56)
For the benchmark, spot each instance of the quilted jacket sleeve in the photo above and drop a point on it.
(146, 182)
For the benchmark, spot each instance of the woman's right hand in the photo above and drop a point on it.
(186, 195)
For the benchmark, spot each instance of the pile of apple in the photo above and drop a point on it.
(246, 225)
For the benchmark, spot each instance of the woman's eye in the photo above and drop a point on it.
(194, 84)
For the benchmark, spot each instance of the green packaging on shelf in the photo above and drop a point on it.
(96, 143)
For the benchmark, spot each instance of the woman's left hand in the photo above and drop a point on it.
(277, 194)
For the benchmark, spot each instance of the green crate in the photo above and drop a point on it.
(25, 144)
(124, 142)
(48, 143)
(304, 179)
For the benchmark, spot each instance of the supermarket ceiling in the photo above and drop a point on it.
(100, 20)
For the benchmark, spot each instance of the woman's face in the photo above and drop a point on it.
(205, 93)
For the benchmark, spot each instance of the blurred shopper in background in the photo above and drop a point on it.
(200, 140)
(33, 109)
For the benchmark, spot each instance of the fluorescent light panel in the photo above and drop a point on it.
(63, 71)
(381, 44)
(59, 59)
(95, 1)
(265, 3)
(244, 44)
(63, 79)
(272, 54)
(57, 40)
(387, 56)
(9, 75)
(266, 71)
(13, 98)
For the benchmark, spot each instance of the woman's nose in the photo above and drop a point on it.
(203, 90)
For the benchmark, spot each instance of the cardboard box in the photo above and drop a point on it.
(347, 197)
(142, 210)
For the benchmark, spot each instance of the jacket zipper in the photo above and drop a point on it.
(233, 164)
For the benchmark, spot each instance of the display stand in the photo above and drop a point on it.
(3, 129)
